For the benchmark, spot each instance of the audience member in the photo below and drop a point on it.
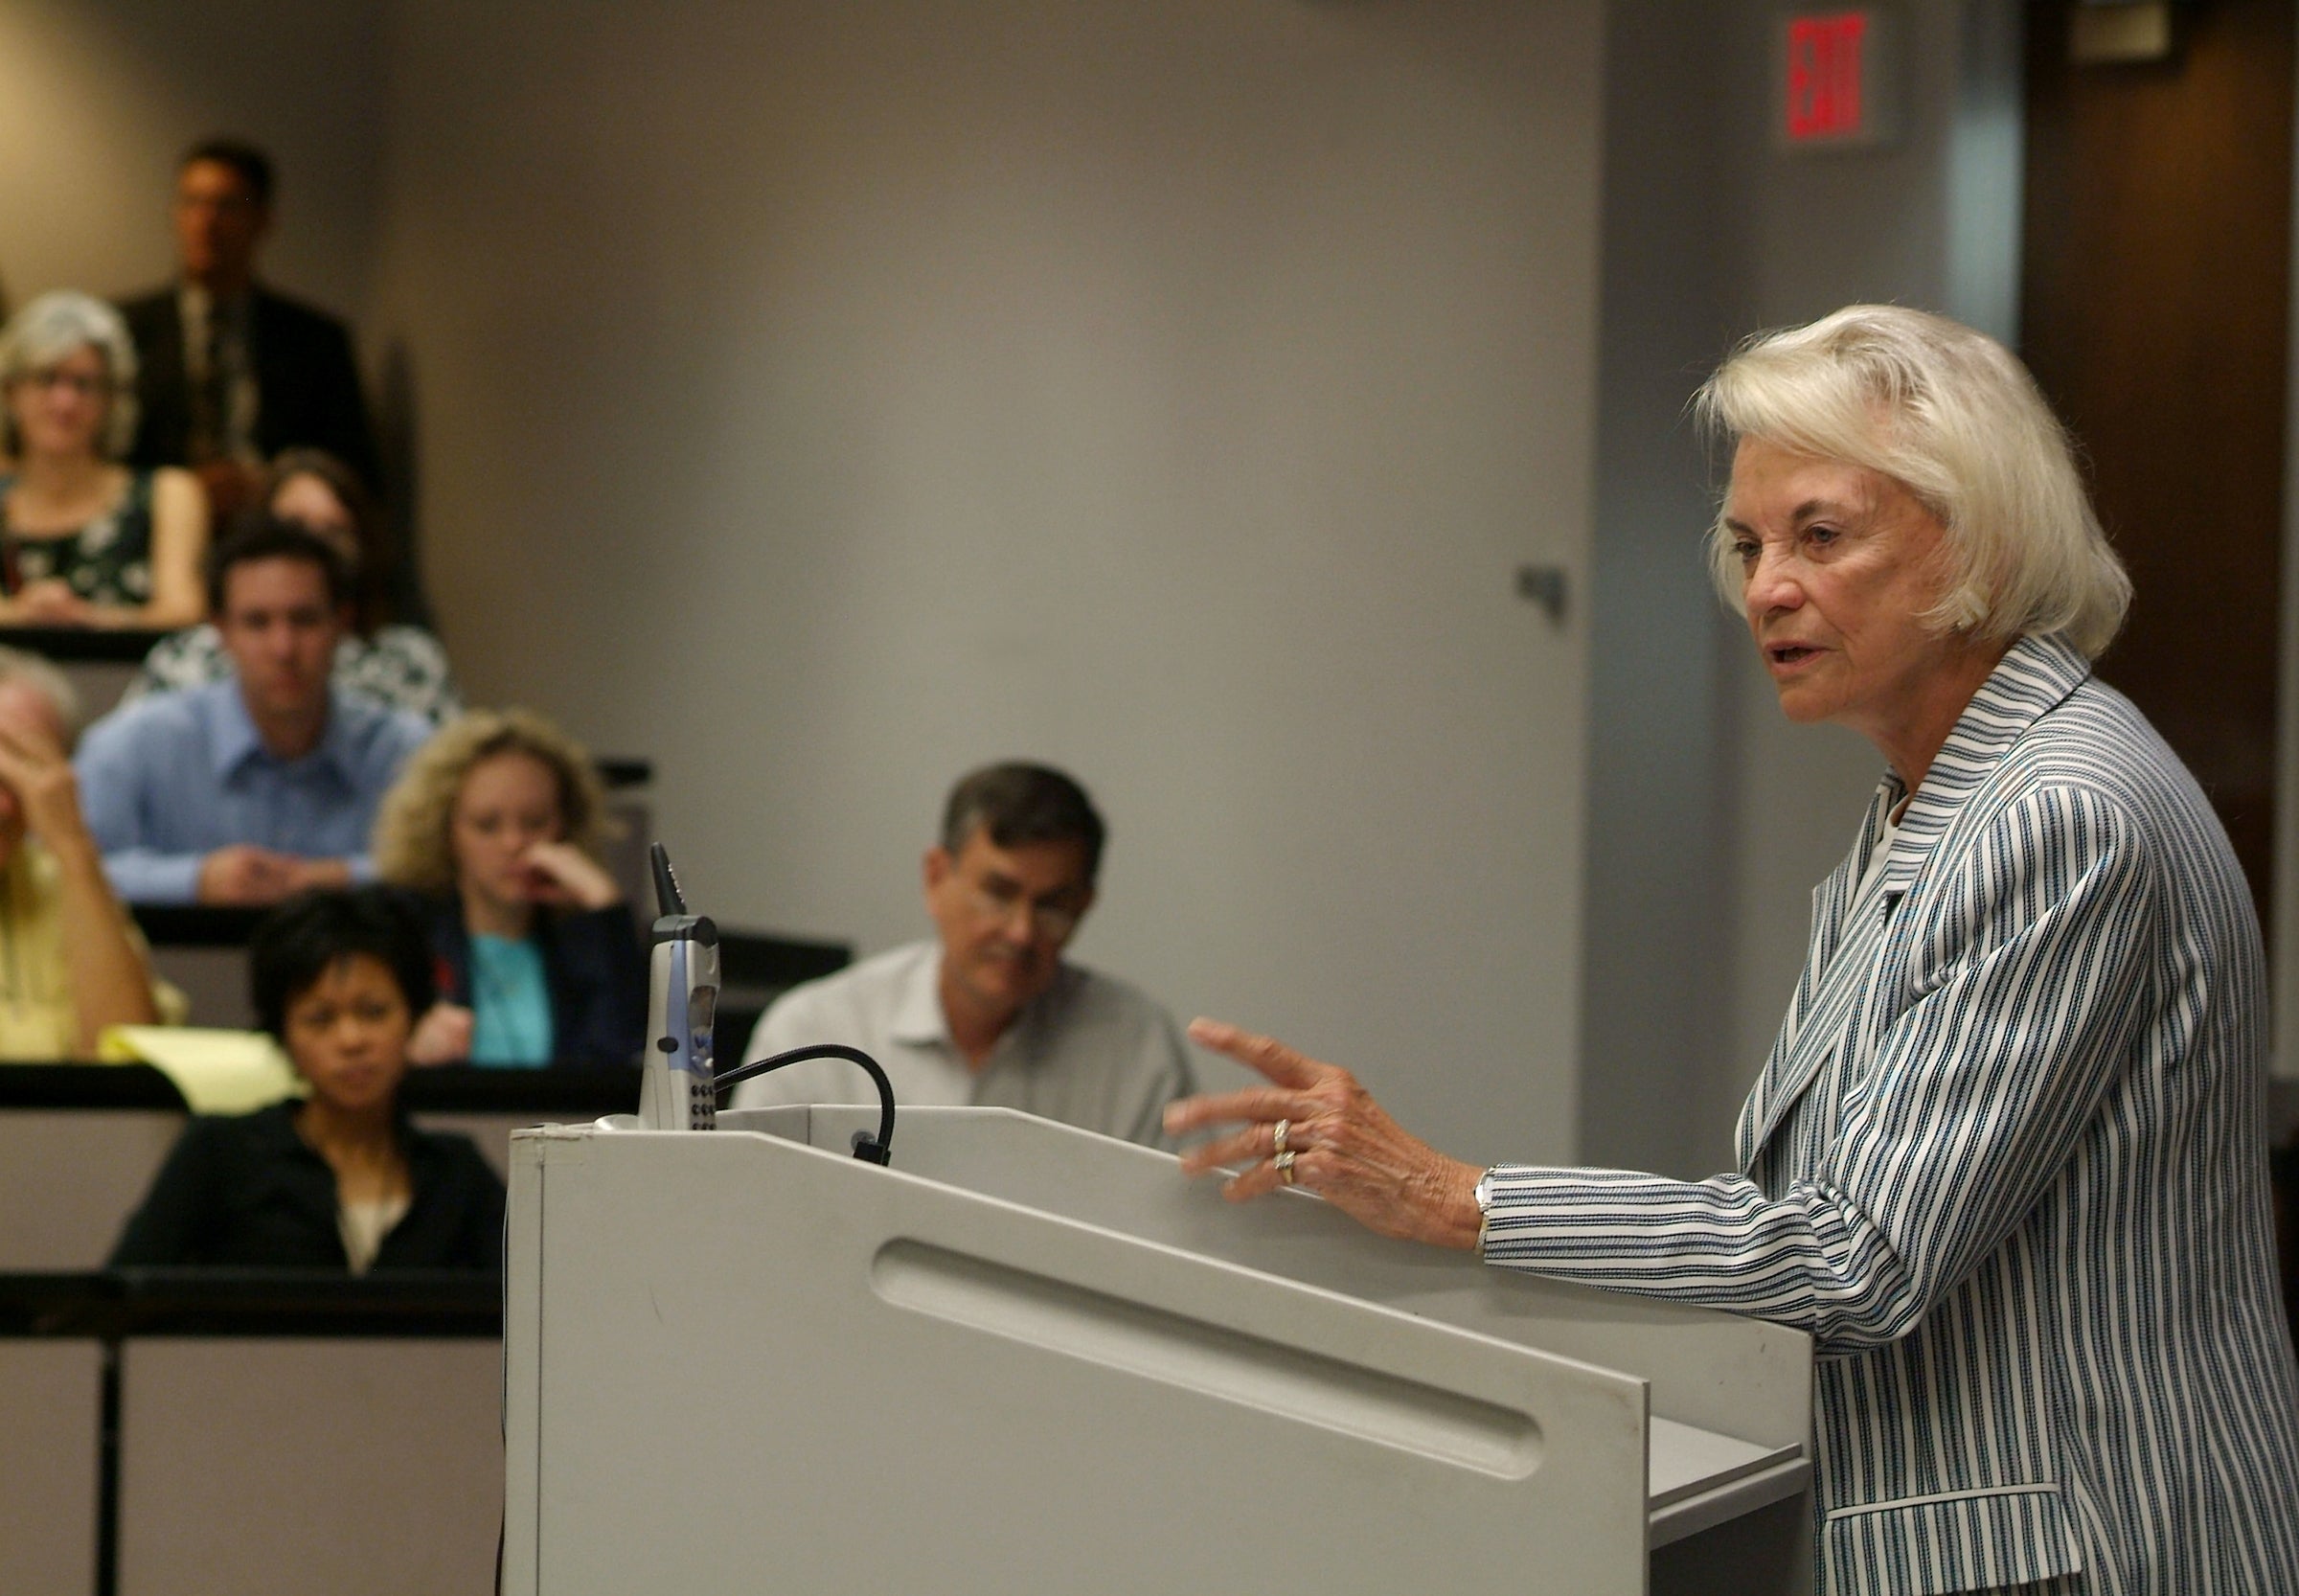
(991, 1014)
(73, 963)
(497, 823)
(267, 782)
(83, 541)
(340, 1181)
(232, 372)
(401, 667)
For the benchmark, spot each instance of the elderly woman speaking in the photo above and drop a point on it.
(2006, 1160)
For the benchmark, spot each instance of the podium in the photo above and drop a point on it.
(1026, 1357)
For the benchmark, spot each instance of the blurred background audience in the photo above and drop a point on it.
(256, 786)
(85, 541)
(497, 823)
(73, 963)
(399, 665)
(233, 373)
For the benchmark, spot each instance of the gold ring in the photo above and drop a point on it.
(1277, 1142)
(1285, 1166)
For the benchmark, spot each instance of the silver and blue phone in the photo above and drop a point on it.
(676, 1089)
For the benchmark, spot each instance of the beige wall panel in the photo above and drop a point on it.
(50, 1407)
(354, 1467)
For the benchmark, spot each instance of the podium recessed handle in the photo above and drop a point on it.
(1158, 1343)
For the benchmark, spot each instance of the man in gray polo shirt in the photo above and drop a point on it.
(989, 1013)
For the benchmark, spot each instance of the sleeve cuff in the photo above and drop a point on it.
(154, 878)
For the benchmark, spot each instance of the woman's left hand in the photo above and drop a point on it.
(565, 875)
(1345, 1146)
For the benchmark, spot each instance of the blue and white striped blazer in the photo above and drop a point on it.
(2007, 1163)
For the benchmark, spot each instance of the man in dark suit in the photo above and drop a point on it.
(231, 373)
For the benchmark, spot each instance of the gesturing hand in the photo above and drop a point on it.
(1345, 1146)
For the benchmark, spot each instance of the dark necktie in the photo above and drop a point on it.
(211, 397)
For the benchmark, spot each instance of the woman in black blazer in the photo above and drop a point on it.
(339, 1180)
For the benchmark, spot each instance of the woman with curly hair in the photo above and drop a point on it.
(497, 822)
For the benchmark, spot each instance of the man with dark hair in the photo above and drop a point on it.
(263, 784)
(228, 372)
(989, 1013)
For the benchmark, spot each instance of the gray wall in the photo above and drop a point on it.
(1656, 991)
(97, 101)
(820, 399)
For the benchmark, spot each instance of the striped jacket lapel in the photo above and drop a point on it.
(1805, 1034)
(2036, 675)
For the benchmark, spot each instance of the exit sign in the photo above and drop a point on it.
(1834, 78)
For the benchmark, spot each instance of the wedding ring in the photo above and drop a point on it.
(1277, 1142)
(1285, 1166)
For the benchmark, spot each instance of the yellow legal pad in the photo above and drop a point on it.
(219, 1072)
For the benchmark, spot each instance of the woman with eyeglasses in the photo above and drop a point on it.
(85, 541)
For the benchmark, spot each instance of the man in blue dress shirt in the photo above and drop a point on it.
(258, 786)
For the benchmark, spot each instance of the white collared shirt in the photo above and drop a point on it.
(1090, 1051)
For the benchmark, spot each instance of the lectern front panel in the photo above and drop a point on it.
(740, 1362)
(1737, 1376)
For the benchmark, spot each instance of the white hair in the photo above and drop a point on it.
(1954, 418)
(60, 325)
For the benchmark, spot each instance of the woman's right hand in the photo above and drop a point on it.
(50, 602)
(563, 875)
(1344, 1146)
(441, 1036)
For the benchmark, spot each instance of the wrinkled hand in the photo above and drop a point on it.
(49, 602)
(34, 768)
(1346, 1147)
(244, 874)
(562, 874)
(441, 1036)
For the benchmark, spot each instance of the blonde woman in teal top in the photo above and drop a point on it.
(496, 823)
